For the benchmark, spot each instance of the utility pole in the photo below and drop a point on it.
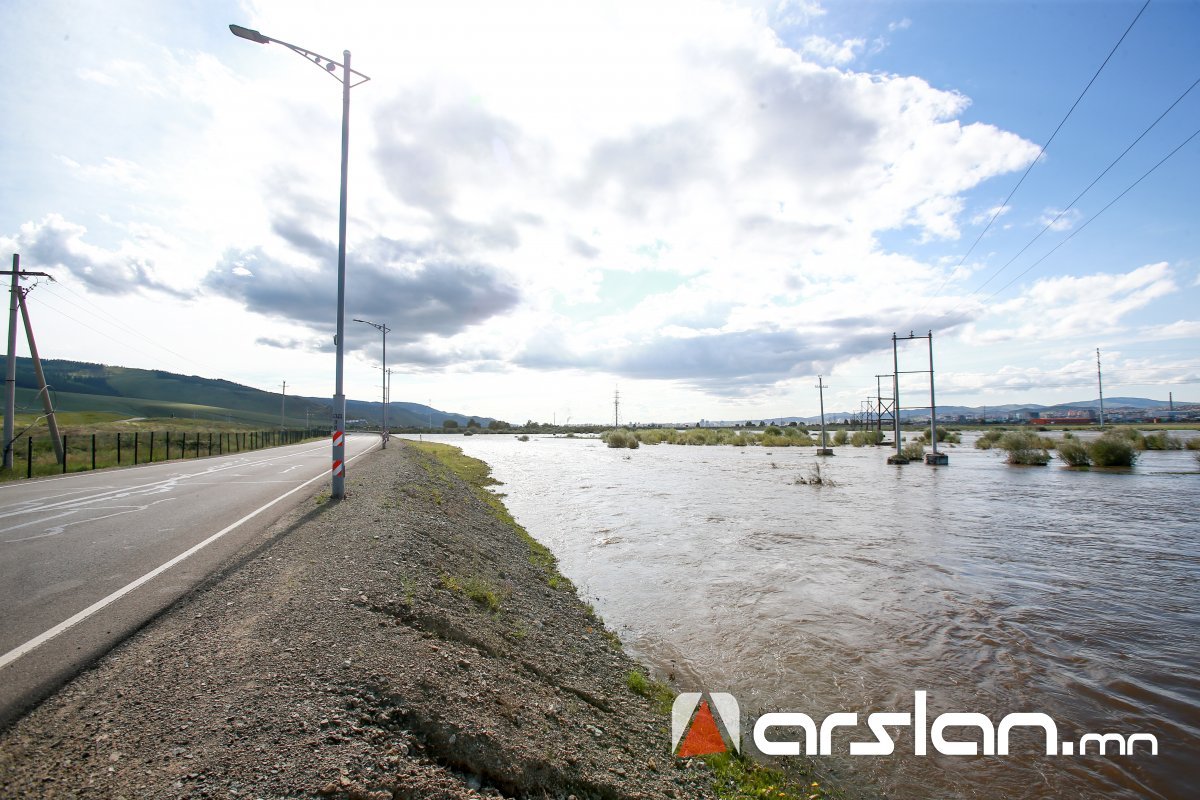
(824, 449)
(383, 377)
(935, 457)
(44, 390)
(899, 457)
(283, 407)
(617, 408)
(1100, 386)
(10, 386)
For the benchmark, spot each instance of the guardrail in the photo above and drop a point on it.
(83, 452)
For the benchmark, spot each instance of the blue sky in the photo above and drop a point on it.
(707, 204)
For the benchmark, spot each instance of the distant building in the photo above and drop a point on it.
(1073, 417)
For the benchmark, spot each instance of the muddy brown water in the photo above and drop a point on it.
(994, 589)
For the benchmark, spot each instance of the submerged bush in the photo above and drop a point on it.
(913, 451)
(861, 438)
(989, 439)
(815, 477)
(944, 435)
(1193, 443)
(1113, 450)
(1131, 435)
(841, 437)
(1161, 441)
(1074, 452)
(620, 438)
(1024, 448)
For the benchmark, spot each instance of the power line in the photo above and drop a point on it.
(111, 320)
(1000, 208)
(1092, 219)
(1079, 196)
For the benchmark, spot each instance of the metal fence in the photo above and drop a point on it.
(82, 452)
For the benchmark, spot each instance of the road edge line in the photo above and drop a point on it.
(37, 641)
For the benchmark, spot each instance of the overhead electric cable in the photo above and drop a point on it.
(1092, 219)
(1000, 208)
(111, 320)
(1088, 188)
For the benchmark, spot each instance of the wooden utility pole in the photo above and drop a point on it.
(43, 389)
(10, 386)
(824, 448)
(283, 407)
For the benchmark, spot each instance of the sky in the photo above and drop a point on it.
(705, 205)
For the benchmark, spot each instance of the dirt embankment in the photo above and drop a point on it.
(407, 643)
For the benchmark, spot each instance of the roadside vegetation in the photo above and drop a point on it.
(478, 476)
(99, 440)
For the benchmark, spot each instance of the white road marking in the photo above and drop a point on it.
(39, 640)
(57, 529)
(108, 493)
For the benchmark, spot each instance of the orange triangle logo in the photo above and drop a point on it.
(703, 737)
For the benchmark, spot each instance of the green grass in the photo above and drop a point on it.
(91, 439)
(477, 589)
(737, 777)
(657, 692)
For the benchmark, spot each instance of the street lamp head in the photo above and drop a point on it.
(246, 33)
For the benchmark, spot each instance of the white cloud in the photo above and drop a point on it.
(995, 212)
(1067, 306)
(1059, 221)
(829, 52)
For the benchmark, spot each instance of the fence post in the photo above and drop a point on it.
(29, 457)
(135, 448)
(64, 454)
(93, 451)
(209, 442)
(152, 446)
(118, 448)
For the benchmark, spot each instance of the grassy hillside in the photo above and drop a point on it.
(124, 392)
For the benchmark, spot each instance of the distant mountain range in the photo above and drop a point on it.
(1113, 405)
(82, 386)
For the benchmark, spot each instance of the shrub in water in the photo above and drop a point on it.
(989, 439)
(841, 437)
(1024, 448)
(861, 438)
(1131, 435)
(1074, 453)
(1113, 450)
(913, 451)
(944, 435)
(1160, 441)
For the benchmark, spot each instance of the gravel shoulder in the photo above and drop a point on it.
(405, 643)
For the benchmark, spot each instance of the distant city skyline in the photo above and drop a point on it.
(708, 204)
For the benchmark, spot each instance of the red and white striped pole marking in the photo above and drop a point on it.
(339, 466)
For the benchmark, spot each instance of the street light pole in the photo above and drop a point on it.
(338, 488)
(383, 389)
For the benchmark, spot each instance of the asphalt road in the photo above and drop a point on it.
(88, 558)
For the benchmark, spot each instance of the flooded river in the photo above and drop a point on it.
(995, 589)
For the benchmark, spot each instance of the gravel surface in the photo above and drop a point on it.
(399, 644)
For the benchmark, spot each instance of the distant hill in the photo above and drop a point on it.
(1014, 410)
(83, 386)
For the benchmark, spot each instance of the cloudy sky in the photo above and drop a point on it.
(707, 204)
